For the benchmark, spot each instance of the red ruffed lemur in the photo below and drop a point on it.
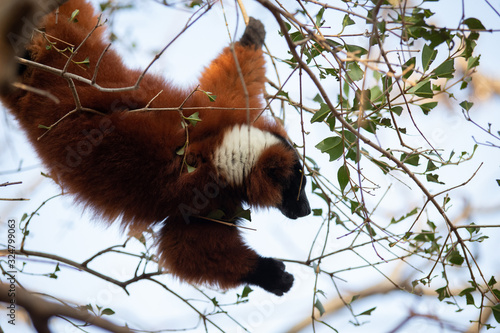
(154, 167)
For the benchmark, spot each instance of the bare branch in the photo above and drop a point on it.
(41, 311)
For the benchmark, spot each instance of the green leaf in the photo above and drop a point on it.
(355, 73)
(498, 182)
(387, 82)
(318, 98)
(356, 50)
(431, 166)
(195, 3)
(370, 230)
(330, 71)
(362, 97)
(442, 293)
(382, 165)
(181, 151)
(349, 137)
(246, 291)
(492, 281)
(284, 94)
(427, 107)
(472, 229)
(469, 299)
(107, 312)
(288, 26)
(397, 110)
(446, 200)
(85, 62)
(194, 118)
(210, 96)
(320, 307)
(297, 36)
(433, 178)
(428, 56)
(331, 122)
(343, 177)
(367, 312)
(437, 87)
(317, 212)
(382, 28)
(404, 217)
(354, 206)
(244, 214)
(466, 105)
(437, 36)
(319, 17)
(332, 146)
(422, 89)
(321, 114)
(347, 21)
(456, 258)
(411, 159)
(473, 62)
(321, 292)
(346, 89)
(217, 214)
(376, 95)
(467, 291)
(74, 15)
(408, 67)
(496, 312)
(470, 43)
(385, 122)
(474, 23)
(445, 70)
(432, 225)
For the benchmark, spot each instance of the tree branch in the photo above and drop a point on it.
(41, 311)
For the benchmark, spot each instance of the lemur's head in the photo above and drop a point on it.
(267, 166)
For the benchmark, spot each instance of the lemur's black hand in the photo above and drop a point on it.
(270, 275)
(254, 34)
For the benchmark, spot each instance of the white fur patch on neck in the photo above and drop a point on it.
(240, 149)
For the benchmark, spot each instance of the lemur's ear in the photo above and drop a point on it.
(270, 175)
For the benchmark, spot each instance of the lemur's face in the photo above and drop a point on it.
(267, 166)
(277, 180)
(294, 203)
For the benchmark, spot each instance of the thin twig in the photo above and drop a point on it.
(36, 91)
(75, 52)
(96, 69)
(225, 223)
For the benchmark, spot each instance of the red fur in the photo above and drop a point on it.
(124, 164)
